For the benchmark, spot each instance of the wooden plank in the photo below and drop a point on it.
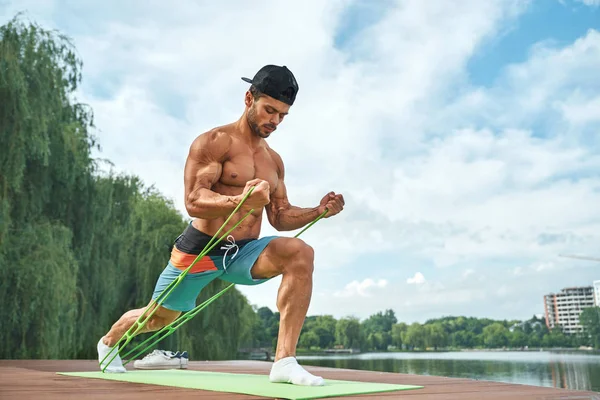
(23, 383)
(37, 379)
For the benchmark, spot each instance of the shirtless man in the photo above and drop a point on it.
(222, 165)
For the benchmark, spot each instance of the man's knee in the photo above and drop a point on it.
(300, 254)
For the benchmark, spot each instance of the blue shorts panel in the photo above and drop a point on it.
(238, 267)
(183, 297)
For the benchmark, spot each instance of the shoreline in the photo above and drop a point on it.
(325, 353)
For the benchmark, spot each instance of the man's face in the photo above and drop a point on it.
(265, 114)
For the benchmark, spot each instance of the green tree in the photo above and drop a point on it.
(556, 338)
(262, 327)
(40, 300)
(495, 335)
(324, 328)
(518, 338)
(415, 336)
(436, 336)
(265, 314)
(46, 154)
(590, 320)
(348, 332)
(398, 330)
(380, 322)
(373, 341)
(309, 339)
(463, 339)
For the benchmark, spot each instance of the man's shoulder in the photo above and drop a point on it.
(215, 143)
(218, 135)
(276, 158)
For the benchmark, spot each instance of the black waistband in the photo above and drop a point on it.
(193, 241)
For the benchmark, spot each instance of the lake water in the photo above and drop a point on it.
(571, 370)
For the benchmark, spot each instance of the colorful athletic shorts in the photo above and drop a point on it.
(228, 261)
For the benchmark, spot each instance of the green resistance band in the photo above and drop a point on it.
(169, 329)
(154, 304)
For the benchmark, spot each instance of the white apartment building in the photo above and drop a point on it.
(563, 309)
(597, 293)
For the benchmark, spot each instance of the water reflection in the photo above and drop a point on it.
(561, 370)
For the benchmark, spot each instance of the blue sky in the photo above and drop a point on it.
(355, 18)
(552, 22)
(464, 136)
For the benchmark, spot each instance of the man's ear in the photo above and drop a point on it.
(248, 99)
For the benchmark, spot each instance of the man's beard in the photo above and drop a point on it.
(254, 126)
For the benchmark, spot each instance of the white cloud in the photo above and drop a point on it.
(580, 110)
(589, 2)
(437, 174)
(362, 288)
(418, 279)
(544, 266)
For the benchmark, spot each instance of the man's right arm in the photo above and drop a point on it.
(203, 169)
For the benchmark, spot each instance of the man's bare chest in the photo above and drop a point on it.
(244, 166)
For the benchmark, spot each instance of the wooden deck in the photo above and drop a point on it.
(37, 379)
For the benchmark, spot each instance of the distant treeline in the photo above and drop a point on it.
(382, 331)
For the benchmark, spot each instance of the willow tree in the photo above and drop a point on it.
(43, 132)
(44, 161)
(77, 249)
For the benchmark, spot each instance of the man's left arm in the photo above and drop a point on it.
(285, 217)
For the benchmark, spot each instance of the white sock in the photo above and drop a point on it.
(116, 365)
(289, 371)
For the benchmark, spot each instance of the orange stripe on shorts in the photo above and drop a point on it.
(181, 260)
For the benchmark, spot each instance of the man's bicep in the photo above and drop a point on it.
(204, 166)
(279, 202)
(201, 175)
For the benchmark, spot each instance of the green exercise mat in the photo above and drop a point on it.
(257, 385)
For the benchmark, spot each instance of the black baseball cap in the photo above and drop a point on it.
(277, 82)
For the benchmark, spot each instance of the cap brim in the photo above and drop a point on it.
(247, 80)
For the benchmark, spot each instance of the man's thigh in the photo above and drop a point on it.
(256, 262)
(262, 260)
(275, 257)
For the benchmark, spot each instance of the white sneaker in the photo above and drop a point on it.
(162, 359)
